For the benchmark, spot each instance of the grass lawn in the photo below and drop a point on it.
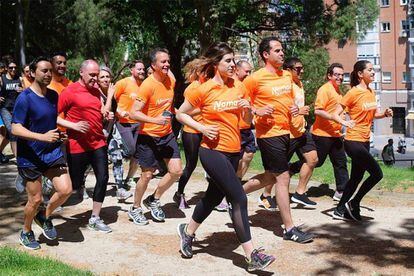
(15, 262)
(399, 179)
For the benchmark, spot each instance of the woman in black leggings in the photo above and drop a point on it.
(362, 109)
(191, 137)
(222, 102)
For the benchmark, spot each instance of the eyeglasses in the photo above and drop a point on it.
(338, 75)
(298, 68)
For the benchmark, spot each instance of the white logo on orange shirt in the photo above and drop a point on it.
(369, 106)
(133, 96)
(225, 105)
(280, 90)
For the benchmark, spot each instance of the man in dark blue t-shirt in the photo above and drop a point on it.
(38, 150)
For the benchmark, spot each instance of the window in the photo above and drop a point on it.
(406, 77)
(385, 3)
(347, 78)
(403, 2)
(405, 25)
(411, 24)
(386, 77)
(385, 27)
(398, 120)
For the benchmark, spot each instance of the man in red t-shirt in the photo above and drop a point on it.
(80, 101)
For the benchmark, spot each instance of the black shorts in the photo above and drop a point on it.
(151, 150)
(274, 152)
(33, 173)
(301, 145)
(248, 143)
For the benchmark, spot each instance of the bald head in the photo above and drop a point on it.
(89, 72)
(243, 69)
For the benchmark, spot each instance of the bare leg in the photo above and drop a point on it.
(63, 187)
(142, 184)
(259, 181)
(282, 198)
(244, 164)
(34, 194)
(174, 172)
(133, 167)
(306, 170)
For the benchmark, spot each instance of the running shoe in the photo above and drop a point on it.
(95, 223)
(302, 199)
(186, 241)
(296, 235)
(353, 210)
(337, 196)
(155, 207)
(20, 184)
(259, 260)
(267, 202)
(137, 216)
(4, 159)
(85, 194)
(340, 214)
(123, 194)
(179, 199)
(223, 206)
(48, 230)
(28, 240)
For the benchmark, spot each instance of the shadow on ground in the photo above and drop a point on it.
(349, 240)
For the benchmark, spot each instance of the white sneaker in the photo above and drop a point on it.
(123, 194)
(95, 223)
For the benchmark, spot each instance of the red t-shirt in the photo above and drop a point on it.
(80, 104)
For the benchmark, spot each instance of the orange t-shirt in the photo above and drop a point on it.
(26, 83)
(219, 106)
(327, 99)
(126, 91)
(158, 97)
(198, 117)
(266, 88)
(361, 105)
(59, 86)
(298, 123)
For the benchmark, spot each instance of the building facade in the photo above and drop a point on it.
(389, 46)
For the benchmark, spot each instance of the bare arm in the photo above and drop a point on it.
(183, 117)
(81, 126)
(336, 116)
(322, 113)
(138, 115)
(387, 113)
(49, 137)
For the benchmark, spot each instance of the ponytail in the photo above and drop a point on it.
(359, 66)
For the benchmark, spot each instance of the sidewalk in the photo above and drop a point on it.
(382, 244)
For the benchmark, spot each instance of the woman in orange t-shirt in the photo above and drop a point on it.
(191, 137)
(222, 103)
(362, 109)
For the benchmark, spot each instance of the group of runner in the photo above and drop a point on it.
(132, 120)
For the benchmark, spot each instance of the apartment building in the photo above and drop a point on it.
(389, 45)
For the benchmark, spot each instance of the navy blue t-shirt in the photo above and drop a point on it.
(37, 114)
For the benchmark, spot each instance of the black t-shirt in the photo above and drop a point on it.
(9, 91)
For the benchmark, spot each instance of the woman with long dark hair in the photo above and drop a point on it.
(222, 102)
(362, 108)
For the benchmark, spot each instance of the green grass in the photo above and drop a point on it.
(394, 178)
(15, 262)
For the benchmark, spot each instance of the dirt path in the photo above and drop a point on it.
(382, 244)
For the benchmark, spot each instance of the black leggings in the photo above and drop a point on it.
(334, 147)
(362, 161)
(191, 144)
(78, 163)
(222, 167)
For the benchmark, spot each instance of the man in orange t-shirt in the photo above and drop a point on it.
(27, 78)
(248, 143)
(59, 81)
(326, 133)
(156, 141)
(126, 92)
(271, 94)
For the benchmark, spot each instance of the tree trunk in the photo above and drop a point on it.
(20, 33)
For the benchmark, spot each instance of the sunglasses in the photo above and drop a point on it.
(12, 67)
(298, 68)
